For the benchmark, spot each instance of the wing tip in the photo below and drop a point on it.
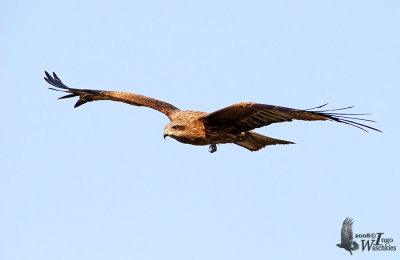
(346, 118)
(55, 81)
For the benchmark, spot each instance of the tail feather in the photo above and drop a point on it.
(254, 141)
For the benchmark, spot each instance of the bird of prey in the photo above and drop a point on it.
(231, 124)
(347, 236)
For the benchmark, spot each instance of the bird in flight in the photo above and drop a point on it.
(346, 235)
(231, 124)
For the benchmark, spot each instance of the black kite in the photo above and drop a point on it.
(232, 124)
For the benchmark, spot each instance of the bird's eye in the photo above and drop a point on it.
(177, 127)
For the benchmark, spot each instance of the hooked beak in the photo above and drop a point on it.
(165, 133)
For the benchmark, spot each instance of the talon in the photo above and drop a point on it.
(212, 148)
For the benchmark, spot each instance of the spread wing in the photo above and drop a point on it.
(87, 95)
(347, 230)
(246, 116)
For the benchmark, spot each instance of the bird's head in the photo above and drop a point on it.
(175, 130)
(185, 127)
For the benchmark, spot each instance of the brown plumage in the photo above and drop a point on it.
(232, 124)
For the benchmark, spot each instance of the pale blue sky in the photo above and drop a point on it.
(100, 182)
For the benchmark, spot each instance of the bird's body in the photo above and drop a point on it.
(232, 124)
(192, 127)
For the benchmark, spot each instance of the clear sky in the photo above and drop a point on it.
(100, 182)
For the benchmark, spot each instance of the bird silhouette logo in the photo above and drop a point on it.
(347, 236)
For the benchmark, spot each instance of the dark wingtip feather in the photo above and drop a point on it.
(47, 74)
(79, 103)
(60, 90)
(57, 78)
(59, 86)
(55, 81)
(69, 96)
(49, 81)
(316, 107)
(352, 121)
(346, 118)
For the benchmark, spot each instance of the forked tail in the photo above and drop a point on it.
(255, 141)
